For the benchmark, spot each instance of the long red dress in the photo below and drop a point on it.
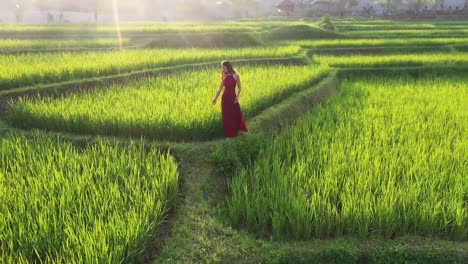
(233, 120)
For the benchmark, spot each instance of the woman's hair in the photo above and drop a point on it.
(229, 67)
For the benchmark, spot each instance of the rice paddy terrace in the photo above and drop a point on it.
(112, 152)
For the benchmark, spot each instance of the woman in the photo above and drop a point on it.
(233, 120)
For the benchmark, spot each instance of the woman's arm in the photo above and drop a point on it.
(239, 87)
(218, 92)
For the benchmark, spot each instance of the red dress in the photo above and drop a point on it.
(233, 120)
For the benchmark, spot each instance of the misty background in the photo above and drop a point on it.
(88, 11)
(104, 11)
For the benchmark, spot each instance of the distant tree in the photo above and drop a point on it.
(302, 3)
(244, 7)
(418, 4)
(464, 9)
(390, 5)
(50, 18)
(286, 7)
(415, 5)
(340, 6)
(91, 6)
(435, 4)
(19, 10)
(343, 5)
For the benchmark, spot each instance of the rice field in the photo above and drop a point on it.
(140, 27)
(426, 59)
(391, 42)
(384, 25)
(100, 203)
(52, 29)
(33, 69)
(401, 33)
(176, 106)
(17, 45)
(385, 156)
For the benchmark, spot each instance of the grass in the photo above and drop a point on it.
(16, 45)
(365, 165)
(301, 31)
(426, 59)
(99, 203)
(138, 28)
(391, 26)
(391, 42)
(203, 40)
(413, 33)
(56, 29)
(146, 108)
(352, 27)
(395, 25)
(200, 233)
(32, 69)
(407, 26)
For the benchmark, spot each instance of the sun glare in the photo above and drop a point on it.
(115, 13)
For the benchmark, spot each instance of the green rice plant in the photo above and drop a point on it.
(395, 25)
(326, 23)
(385, 156)
(427, 59)
(224, 40)
(17, 45)
(138, 28)
(374, 27)
(300, 31)
(100, 203)
(175, 106)
(412, 33)
(354, 28)
(32, 69)
(66, 29)
(390, 42)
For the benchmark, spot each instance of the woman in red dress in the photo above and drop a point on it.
(233, 120)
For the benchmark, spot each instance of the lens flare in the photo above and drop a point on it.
(115, 13)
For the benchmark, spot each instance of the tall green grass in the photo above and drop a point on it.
(100, 203)
(171, 107)
(384, 25)
(411, 33)
(33, 69)
(59, 29)
(427, 59)
(301, 31)
(135, 28)
(391, 26)
(16, 45)
(385, 156)
(390, 42)
(354, 28)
